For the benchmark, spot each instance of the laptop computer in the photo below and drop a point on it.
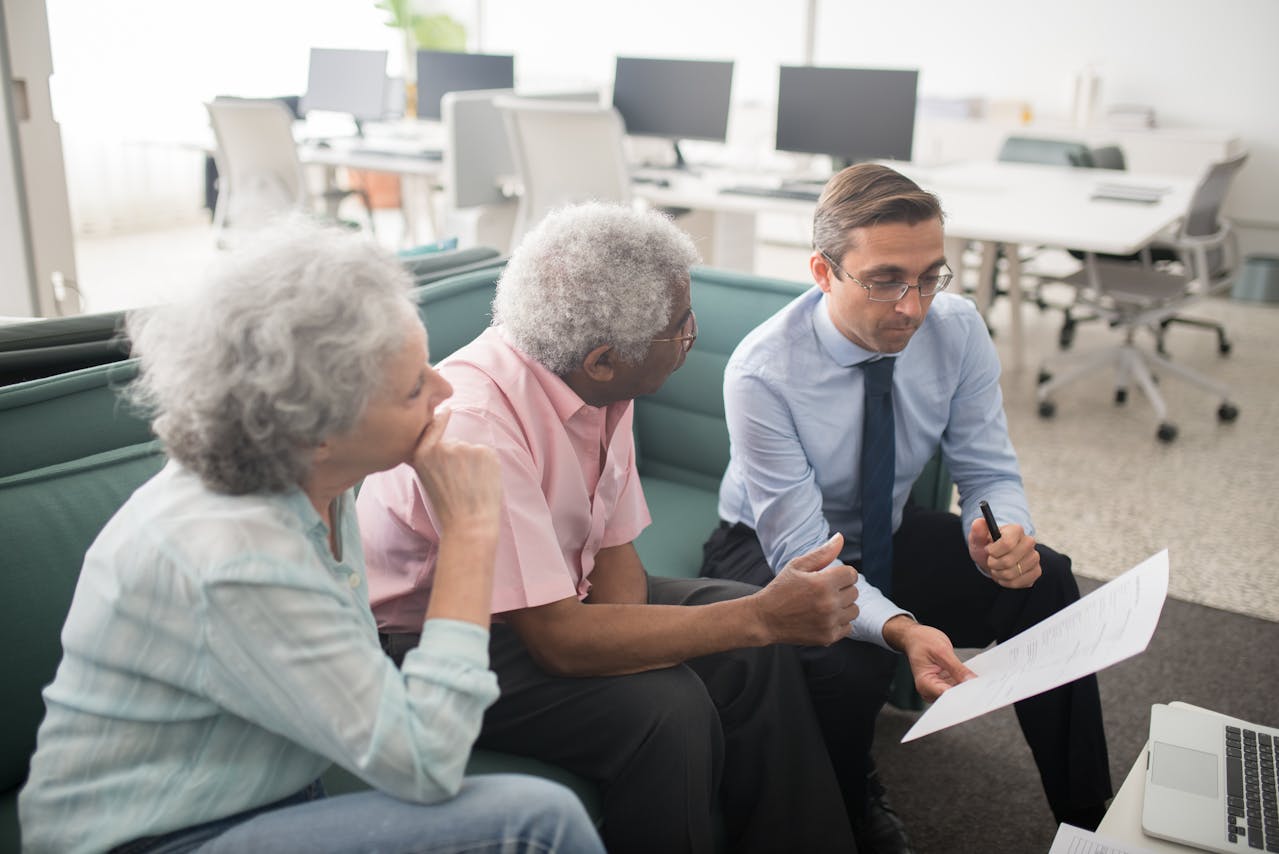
(1211, 781)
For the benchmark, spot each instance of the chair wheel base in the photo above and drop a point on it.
(1224, 348)
(1121, 396)
(1166, 432)
(1044, 376)
(1227, 412)
(1047, 409)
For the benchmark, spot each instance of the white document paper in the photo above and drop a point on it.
(1073, 840)
(1114, 622)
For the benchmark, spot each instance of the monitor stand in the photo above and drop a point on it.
(680, 164)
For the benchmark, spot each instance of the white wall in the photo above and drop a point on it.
(1197, 63)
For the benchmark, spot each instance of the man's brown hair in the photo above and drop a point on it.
(867, 194)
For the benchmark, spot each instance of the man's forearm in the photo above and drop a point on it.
(613, 640)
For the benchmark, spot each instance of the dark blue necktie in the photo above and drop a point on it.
(879, 450)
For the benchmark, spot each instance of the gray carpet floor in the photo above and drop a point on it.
(973, 788)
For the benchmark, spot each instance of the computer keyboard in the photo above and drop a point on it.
(423, 153)
(802, 194)
(1251, 809)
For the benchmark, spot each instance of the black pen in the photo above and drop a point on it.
(990, 520)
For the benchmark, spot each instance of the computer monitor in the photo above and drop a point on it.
(852, 114)
(440, 71)
(673, 98)
(347, 81)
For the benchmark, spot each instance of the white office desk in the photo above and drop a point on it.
(419, 176)
(989, 202)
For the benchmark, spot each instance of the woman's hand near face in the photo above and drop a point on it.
(464, 484)
(462, 480)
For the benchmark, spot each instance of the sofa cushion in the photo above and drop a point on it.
(683, 517)
(48, 519)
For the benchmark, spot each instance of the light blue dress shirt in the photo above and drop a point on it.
(793, 399)
(219, 658)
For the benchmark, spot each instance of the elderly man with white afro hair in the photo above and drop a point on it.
(674, 695)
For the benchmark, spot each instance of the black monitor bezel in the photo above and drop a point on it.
(802, 116)
(425, 92)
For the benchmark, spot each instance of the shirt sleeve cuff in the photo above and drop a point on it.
(871, 617)
(456, 640)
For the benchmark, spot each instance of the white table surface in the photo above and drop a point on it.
(990, 202)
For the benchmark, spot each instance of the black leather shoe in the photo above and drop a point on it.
(881, 830)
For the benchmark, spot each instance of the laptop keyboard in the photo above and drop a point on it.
(1252, 811)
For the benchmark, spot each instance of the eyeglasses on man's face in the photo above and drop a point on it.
(889, 291)
(688, 330)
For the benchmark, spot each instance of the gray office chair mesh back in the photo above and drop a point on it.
(1204, 217)
(1108, 157)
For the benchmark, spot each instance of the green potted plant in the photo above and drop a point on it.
(421, 27)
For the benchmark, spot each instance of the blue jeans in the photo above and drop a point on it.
(492, 814)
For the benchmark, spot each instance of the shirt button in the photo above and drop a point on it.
(353, 580)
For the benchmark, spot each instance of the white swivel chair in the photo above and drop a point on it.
(1131, 296)
(564, 153)
(260, 175)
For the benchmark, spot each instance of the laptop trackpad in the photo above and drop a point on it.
(1184, 769)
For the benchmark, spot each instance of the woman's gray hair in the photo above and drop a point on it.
(283, 347)
(588, 275)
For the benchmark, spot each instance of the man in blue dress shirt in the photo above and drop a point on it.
(877, 341)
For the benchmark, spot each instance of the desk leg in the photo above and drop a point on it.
(1014, 301)
(417, 202)
(955, 248)
(986, 277)
(732, 240)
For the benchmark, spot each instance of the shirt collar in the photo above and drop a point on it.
(563, 399)
(845, 353)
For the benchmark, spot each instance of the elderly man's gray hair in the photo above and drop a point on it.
(588, 275)
(282, 348)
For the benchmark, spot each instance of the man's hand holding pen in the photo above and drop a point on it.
(1007, 552)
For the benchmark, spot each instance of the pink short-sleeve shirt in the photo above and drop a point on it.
(570, 488)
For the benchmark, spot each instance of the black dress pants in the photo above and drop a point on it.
(934, 578)
(731, 733)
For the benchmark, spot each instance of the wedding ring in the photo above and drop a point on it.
(1019, 569)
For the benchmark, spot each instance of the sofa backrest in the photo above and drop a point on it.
(48, 518)
(680, 430)
(68, 416)
(457, 309)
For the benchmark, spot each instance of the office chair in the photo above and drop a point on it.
(260, 174)
(564, 152)
(477, 156)
(1134, 296)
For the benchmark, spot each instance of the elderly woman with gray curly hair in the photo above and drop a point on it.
(220, 653)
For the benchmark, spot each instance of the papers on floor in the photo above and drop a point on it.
(1114, 622)
(1072, 840)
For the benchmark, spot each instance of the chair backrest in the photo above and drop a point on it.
(1204, 216)
(1109, 157)
(1203, 220)
(257, 162)
(476, 153)
(1051, 152)
(565, 152)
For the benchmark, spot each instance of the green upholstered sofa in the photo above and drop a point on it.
(73, 452)
(43, 348)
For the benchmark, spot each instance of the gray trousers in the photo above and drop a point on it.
(732, 734)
